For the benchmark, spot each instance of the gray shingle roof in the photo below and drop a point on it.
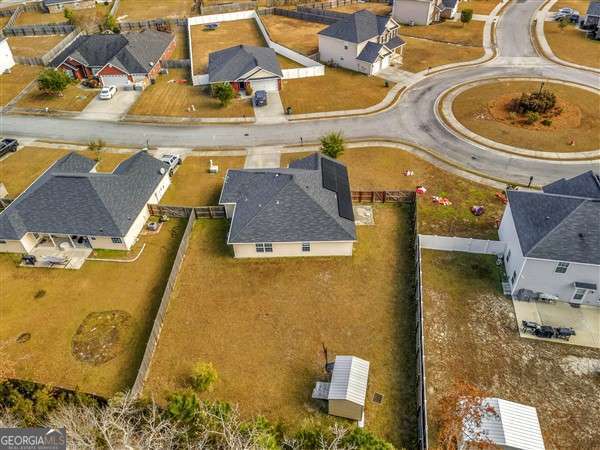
(232, 63)
(585, 185)
(358, 27)
(556, 227)
(68, 199)
(450, 4)
(134, 52)
(284, 205)
(370, 52)
(394, 43)
(593, 9)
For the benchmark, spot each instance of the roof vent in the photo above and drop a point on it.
(547, 217)
(581, 235)
(162, 171)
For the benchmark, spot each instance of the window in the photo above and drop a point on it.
(2, 241)
(341, 59)
(508, 256)
(579, 294)
(561, 267)
(514, 277)
(116, 240)
(306, 246)
(266, 247)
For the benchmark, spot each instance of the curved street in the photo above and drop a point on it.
(411, 119)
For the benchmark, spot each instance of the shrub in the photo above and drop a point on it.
(363, 439)
(332, 144)
(248, 89)
(183, 406)
(203, 376)
(547, 122)
(539, 102)
(532, 117)
(110, 23)
(224, 92)
(53, 82)
(466, 15)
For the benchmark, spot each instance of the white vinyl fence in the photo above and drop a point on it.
(311, 67)
(459, 244)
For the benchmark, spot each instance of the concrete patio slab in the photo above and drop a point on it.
(363, 215)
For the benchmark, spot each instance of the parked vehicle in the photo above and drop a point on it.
(529, 327)
(8, 145)
(172, 160)
(260, 98)
(108, 92)
(566, 11)
(544, 331)
(565, 333)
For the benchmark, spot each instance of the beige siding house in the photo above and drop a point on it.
(70, 204)
(303, 210)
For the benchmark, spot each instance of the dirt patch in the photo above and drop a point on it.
(564, 115)
(101, 336)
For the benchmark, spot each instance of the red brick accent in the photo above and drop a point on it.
(111, 70)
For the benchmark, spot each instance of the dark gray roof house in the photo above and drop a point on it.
(71, 199)
(593, 8)
(309, 201)
(133, 52)
(241, 62)
(358, 27)
(561, 223)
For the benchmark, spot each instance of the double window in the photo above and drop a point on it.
(116, 240)
(306, 246)
(579, 294)
(561, 267)
(264, 247)
(514, 277)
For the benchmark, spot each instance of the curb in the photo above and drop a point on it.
(486, 143)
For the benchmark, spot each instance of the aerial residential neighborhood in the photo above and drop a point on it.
(300, 224)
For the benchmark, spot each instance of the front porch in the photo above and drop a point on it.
(59, 252)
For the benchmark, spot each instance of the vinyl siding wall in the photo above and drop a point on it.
(291, 249)
(405, 11)
(345, 408)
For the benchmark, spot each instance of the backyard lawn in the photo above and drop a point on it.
(11, 84)
(571, 44)
(471, 335)
(181, 44)
(381, 9)
(3, 21)
(454, 32)
(298, 35)
(52, 304)
(150, 9)
(339, 89)
(478, 6)
(381, 168)
(173, 99)
(18, 170)
(226, 35)
(33, 45)
(264, 329)
(39, 17)
(420, 54)
(74, 98)
(192, 185)
(484, 110)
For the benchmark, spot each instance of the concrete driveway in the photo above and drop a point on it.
(113, 109)
(272, 112)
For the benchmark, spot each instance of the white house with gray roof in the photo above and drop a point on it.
(303, 210)
(423, 12)
(362, 42)
(553, 240)
(72, 203)
(245, 66)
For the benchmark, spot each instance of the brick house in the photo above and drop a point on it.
(117, 59)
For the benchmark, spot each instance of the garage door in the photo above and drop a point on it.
(265, 85)
(115, 80)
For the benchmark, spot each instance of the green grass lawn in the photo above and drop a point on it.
(263, 324)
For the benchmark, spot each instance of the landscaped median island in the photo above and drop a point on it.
(264, 332)
(492, 110)
(378, 168)
(471, 336)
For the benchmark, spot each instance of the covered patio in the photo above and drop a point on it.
(58, 251)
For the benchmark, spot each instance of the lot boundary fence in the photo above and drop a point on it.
(309, 17)
(177, 63)
(460, 244)
(152, 23)
(114, 8)
(51, 54)
(420, 347)
(38, 30)
(201, 212)
(328, 4)
(334, 15)
(227, 7)
(142, 375)
(383, 196)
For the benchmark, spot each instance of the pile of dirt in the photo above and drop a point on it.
(564, 115)
(101, 336)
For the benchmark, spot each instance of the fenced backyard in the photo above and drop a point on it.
(51, 54)
(201, 212)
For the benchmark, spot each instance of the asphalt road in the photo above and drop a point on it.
(412, 119)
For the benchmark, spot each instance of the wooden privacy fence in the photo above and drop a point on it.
(176, 63)
(227, 7)
(142, 375)
(383, 196)
(309, 17)
(153, 23)
(38, 30)
(201, 212)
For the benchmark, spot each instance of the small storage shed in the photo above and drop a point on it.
(348, 387)
(508, 425)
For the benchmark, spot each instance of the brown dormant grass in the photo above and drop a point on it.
(571, 44)
(151, 9)
(264, 325)
(381, 9)
(39, 17)
(176, 100)
(11, 84)
(298, 35)
(453, 32)
(33, 45)
(471, 334)
(420, 54)
(478, 6)
(226, 35)
(74, 98)
(579, 5)
(471, 108)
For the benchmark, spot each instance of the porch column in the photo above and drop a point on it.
(71, 241)
(52, 240)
